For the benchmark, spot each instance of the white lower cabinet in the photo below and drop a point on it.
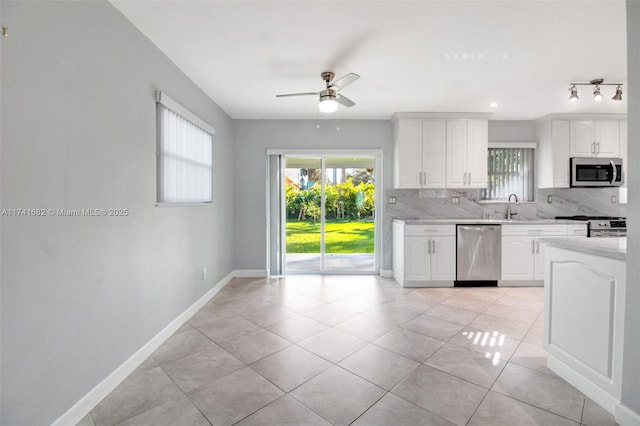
(522, 251)
(424, 255)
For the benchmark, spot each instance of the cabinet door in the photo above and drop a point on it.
(416, 259)
(624, 140)
(607, 137)
(434, 140)
(477, 153)
(456, 153)
(517, 257)
(582, 138)
(561, 152)
(408, 160)
(443, 258)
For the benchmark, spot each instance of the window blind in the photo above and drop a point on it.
(510, 172)
(185, 160)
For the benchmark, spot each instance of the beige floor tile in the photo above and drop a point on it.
(517, 302)
(180, 345)
(463, 302)
(415, 302)
(268, 315)
(284, 411)
(393, 410)
(333, 345)
(594, 415)
(535, 336)
(510, 328)
(234, 397)
(251, 347)
(442, 394)
(330, 315)
(412, 345)
(301, 304)
(433, 327)
(290, 367)
(542, 390)
(533, 293)
(379, 366)
(391, 314)
(467, 364)
(297, 328)
(486, 342)
(177, 411)
(485, 294)
(356, 304)
(192, 371)
(227, 329)
(512, 313)
(500, 410)
(532, 356)
(452, 314)
(338, 396)
(366, 328)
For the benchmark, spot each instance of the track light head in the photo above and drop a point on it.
(597, 96)
(574, 93)
(618, 95)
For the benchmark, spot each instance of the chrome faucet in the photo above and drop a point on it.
(510, 214)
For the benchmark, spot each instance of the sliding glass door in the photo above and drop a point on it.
(329, 213)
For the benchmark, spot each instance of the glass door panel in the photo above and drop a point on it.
(303, 206)
(349, 214)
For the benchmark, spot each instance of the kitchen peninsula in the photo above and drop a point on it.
(584, 291)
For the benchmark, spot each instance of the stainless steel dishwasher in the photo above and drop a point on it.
(478, 255)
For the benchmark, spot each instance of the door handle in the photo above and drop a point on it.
(614, 171)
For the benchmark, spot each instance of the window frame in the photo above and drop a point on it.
(513, 145)
(175, 107)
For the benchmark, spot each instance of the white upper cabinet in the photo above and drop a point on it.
(562, 136)
(436, 150)
(467, 150)
(420, 154)
(595, 138)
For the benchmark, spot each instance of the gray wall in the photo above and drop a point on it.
(631, 372)
(512, 131)
(255, 137)
(81, 294)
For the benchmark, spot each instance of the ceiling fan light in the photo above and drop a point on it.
(574, 93)
(597, 96)
(618, 95)
(328, 104)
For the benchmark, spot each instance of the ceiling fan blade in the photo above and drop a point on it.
(296, 94)
(343, 100)
(344, 81)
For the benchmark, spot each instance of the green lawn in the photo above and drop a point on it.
(340, 237)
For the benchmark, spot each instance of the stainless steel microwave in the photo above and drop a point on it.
(596, 172)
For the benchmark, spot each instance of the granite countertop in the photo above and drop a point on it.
(611, 247)
(488, 221)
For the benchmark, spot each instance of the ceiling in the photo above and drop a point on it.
(412, 56)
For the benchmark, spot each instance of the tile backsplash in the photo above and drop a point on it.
(466, 204)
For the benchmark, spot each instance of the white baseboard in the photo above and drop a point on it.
(386, 273)
(625, 416)
(81, 408)
(250, 273)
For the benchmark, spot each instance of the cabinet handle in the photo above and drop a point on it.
(593, 148)
(538, 247)
(598, 148)
(429, 247)
(434, 247)
(469, 178)
(464, 178)
(533, 246)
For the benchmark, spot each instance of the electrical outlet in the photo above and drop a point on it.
(549, 199)
(455, 200)
(392, 200)
(614, 199)
(204, 273)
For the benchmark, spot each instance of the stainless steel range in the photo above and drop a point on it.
(602, 226)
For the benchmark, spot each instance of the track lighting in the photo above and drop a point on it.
(574, 93)
(597, 94)
(618, 95)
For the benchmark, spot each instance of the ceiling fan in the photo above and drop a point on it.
(329, 97)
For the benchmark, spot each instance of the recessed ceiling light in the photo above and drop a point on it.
(493, 104)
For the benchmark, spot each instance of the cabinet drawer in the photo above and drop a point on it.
(576, 230)
(534, 230)
(421, 230)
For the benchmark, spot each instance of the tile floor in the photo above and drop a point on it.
(311, 350)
